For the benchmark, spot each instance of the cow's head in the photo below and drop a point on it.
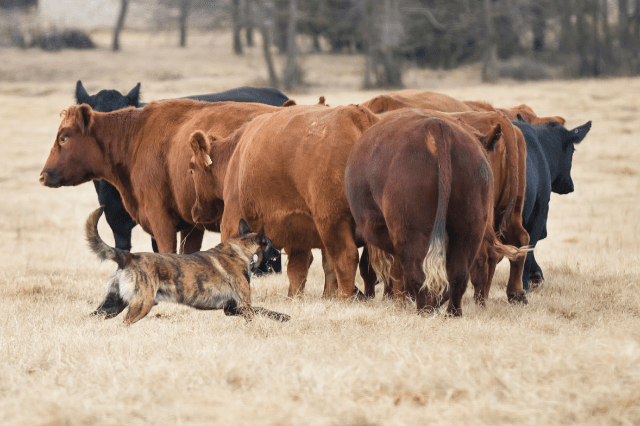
(527, 114)
(563, 184)
(108, 100)
(76, 155)
(208, 206)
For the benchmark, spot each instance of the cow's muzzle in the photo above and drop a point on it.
(47, 179)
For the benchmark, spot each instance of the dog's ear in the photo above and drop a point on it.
(243, 227)
(261, 235)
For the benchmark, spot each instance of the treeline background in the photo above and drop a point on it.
(519, 39)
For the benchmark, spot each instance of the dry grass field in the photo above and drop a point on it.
(571, 356)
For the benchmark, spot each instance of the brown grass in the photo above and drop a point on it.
(572, 356)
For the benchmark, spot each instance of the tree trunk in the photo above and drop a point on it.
(623, 23)
(184, 12)
(392, 75)
(291, 75)
(368, 45)
(248, 20)
(237, 27)
(539, 25)
(266, 48)
(490, 54)
(119, 25)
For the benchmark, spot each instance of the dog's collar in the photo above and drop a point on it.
(238, 249)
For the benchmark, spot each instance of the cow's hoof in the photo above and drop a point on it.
(358, 295)
(518, 298)
(536, 280)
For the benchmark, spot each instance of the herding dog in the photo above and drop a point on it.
(214, 279)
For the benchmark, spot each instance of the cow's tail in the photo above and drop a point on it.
(511, 252)
(381, 263)
(99, 247)
(434, 265)
(511, 164)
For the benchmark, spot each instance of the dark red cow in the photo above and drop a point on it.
(412, 180)
(145, 154)
(445, 103)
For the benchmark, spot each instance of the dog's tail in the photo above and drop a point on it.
(99, 247)
(271, 314)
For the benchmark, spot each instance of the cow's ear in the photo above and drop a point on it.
(243, 227)
(82, 97)
(288, 103)
(85, 118)
(490, 140)
(201, 146)
(579, 133)
(133, 97)
(520, 118)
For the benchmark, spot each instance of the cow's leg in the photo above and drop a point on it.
(516, 236)
(330, 277)
(297, 270)
(368, 275)
(191, 240)
(480, 273)
(537, 229)
(341, 247)
(116, 215)
(397, 282)
(164, 232)
(535, 274)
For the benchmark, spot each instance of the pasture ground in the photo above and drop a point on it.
(571, 356)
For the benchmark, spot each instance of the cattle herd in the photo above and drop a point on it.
(437, 190)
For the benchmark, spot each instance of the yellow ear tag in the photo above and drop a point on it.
(208, 159)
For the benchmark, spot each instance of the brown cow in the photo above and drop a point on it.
(409, 179)
(441, 102)
(287, 171)
(507, 158)
(144, 153)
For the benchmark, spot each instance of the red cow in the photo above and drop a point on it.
(144, 153)
(411, 181)
(441, 102)
(287, 170)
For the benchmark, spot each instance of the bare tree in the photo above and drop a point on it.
(248, 20)
(119, 24)
(490, 55)
(292, 75)
(237, 26)
(184, 12)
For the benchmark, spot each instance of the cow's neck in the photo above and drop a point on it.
(221, 152)
(117, 133)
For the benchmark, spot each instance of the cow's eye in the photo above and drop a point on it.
(191, 171)
(63, 140)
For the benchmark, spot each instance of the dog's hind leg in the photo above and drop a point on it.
(111, 306)
(138, 309)
(113, 303)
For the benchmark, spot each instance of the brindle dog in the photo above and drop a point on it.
(214, 279)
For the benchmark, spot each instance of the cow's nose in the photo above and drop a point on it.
(42, 178)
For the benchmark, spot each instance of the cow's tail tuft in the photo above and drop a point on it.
(434, 265)
(99, 247)
(381, 263)
(511, 252)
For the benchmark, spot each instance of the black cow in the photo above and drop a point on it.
(110, 100)
(550, 150)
